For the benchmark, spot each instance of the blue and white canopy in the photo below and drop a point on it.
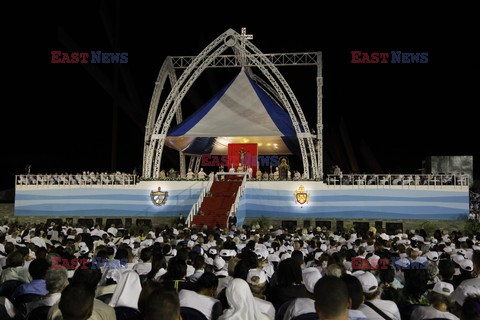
(242, 112)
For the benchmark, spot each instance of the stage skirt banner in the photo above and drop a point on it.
(243, 153)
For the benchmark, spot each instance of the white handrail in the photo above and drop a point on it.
(196, 206)
(404, 180)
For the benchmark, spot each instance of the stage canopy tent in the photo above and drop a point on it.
(242, 112)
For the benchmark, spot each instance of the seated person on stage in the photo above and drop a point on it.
(276, 175)
(240, 168)
(232, 169)
(201, 174)
(265, 175)
(190, 174)
(259, 174)
(162, 174)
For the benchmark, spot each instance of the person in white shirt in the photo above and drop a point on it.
(145, 266)
(97, 231)
(440, 302)
(112, 230)
(203, 300)
(201, 174)
(372, 299)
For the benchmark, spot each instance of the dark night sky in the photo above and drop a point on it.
(59, 118)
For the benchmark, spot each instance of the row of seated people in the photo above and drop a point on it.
(78, 179)
(418, 180)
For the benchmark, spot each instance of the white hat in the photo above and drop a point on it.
(256, 276)
(159, 239)
(447, 249)
(323, 247)
(373, 260)
(227, 253)
(384, 236)
(310, 278)
(273, 258)
(84, 250)
(443, 288)
(368, 281)
(261, 253)
(457, 258)
(466, 265)
(218, 262)
(318, 254)
(432, 255)
(462, 292)
(243, 237)
(460, 251)
(286, 256)
(194, 237)
(462, 239)
(212, 251)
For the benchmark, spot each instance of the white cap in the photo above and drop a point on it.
(466, 265)
(368, 281)
(432, 255)
(323, 247)
(443, 288)
(256, 276)
(243, 237)
(212, 251)
(447, 249)
(403, 262)
(462, 239)
(218, 262)
(261, 253)
(310, 278)
(457, 258)
(227, 253)
(462, 292)
(318, 254)
(384, 236)
(286, 256)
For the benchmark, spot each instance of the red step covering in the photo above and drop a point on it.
(216, 207)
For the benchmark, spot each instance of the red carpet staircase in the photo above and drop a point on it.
(215, 208)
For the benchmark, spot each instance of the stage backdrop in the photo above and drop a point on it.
(249, 152)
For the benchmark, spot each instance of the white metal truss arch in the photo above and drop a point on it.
(167, 71)
(298, 109)
(174, 98)
(155, 137)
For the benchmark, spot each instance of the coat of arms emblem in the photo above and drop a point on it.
(301, 196)
(158, 197)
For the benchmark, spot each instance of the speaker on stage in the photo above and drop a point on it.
(128, 223)
(340, 226)
(289, 224)
(378, 225)
(306, 223)
(56, 221)
(99, 221)
(392, 227)
(361, 226)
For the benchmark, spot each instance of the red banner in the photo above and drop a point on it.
(245, 153)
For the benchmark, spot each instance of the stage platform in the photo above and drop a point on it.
(305, 202)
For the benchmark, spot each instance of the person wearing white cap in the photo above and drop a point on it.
(373, 306)
(257, 280)
(241, 303)
(469, 286)
(466, 268)
(218, 265)
(440, 302)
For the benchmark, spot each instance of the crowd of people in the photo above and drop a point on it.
(248, 273)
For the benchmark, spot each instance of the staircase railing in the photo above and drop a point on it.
(240, 191)
(196, 206)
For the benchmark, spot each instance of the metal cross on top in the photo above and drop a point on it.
(244, 36)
